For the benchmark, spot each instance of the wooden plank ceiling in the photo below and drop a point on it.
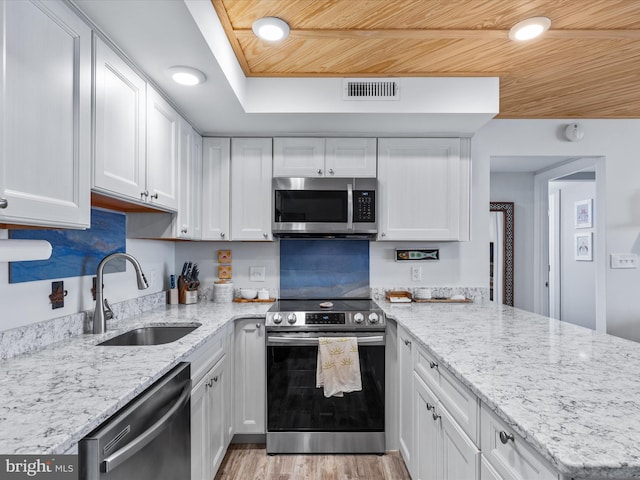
(586, 66)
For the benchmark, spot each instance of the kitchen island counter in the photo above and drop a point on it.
(52, 398)
(572, 393)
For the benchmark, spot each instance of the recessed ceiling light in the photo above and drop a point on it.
(271, 29)
(186, 75)
(529, 28)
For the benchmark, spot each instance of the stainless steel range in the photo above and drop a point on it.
(300, 419)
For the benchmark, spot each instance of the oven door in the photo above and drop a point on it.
(299, 417)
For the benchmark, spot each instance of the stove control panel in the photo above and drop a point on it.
(329, 318)
(318, 320)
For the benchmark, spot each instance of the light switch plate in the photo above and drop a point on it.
(256, 274)
(624, 260)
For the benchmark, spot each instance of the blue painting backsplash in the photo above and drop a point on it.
(75, 252)
(324, 269)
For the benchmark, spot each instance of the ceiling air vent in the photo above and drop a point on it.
(371, 90)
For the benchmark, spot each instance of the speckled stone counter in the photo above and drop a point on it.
(572, 393)
(52, 398)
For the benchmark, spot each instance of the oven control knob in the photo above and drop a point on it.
(277, 318)
(358, 318)
(291, 318)
(373, 318)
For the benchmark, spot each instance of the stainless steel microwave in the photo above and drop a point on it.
(324, 207)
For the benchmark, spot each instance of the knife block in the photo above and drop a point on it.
(187, 292)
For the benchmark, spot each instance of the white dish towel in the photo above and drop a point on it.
(338, 369)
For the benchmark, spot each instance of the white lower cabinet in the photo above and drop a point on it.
(507, 454)
(405, 398)
(211, 405)
(208, 415)
(446, 433)
(250, 387)
(442, 450)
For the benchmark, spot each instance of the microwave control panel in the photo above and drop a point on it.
(364, 208)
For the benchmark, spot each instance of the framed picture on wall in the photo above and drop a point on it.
(584, 247)
(584, 213)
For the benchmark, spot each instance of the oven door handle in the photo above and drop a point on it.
(313, 341)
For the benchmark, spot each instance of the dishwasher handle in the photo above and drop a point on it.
(120, 456)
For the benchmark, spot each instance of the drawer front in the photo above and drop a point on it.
(513, 460)
(461, 403)
(487, 472)
(207, 355)
(426, 367)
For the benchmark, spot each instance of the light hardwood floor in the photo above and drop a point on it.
(251, 462)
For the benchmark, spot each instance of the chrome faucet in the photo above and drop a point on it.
(103, 310)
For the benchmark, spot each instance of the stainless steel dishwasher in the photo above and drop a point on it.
(149, 439)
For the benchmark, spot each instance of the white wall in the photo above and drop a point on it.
(28, 302)
(577, 278)
(618, 141)
(518, 188)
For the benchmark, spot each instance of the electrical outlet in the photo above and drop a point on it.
(416, 273)
(624, 260)
(256, 274)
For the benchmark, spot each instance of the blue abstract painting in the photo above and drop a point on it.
(324, 269)
(75, 252)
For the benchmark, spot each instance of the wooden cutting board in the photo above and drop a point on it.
(254, 300)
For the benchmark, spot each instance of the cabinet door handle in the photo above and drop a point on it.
(430, 407)
(3, 203)
(505, 437)
(184, 230)
(221, 234)
(331, 172)
(258, 326)
(265, 235)
(433, 364)
(144, 194)
(383, 234)
(215, 379)
(155, 195)
(435, 415)
(319, 171)
(407, 343)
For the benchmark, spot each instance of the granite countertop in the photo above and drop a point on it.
(572, 393)
(52, 398)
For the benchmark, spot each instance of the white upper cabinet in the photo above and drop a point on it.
(251, 165)
(424, 188)
(216, 176)
(163, 124)
(298, 157)
(45, 119)
(188, 224)
(196, 185)
(350, 157)
(120, 126)
(320, 157)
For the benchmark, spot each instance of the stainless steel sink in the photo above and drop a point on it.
(152, 335)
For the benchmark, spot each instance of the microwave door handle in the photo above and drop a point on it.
(350, 207)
